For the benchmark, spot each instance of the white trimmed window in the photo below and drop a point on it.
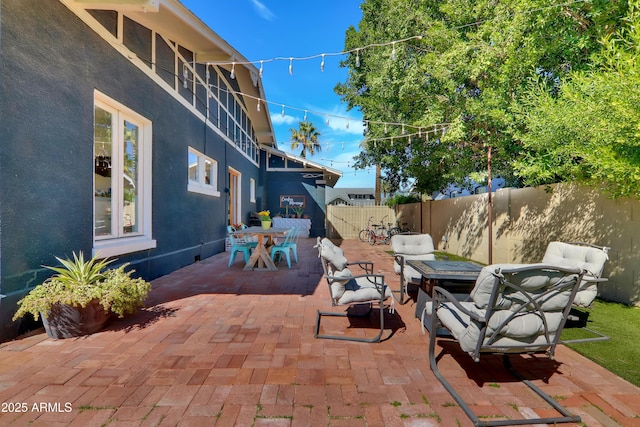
(252, 190)
(122, 179)
(203, 174)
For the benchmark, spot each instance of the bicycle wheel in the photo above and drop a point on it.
(372, 238)
(394, 231)
(364, 235)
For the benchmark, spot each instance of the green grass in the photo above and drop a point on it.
(619, 354)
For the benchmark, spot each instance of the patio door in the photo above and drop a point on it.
(235, 216)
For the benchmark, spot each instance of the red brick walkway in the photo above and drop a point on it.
(220, 346)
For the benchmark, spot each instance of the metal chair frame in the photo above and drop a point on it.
(484, 346)
(376, 279)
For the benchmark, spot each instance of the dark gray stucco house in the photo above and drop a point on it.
(120, 136)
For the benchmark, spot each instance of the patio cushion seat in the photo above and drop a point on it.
(349, 289)
(410, 247)
(585, 257)
(513, 328)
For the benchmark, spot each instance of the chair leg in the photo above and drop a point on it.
(565, 418)
(403, 292)
(319, 315)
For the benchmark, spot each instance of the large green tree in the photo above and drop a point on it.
(590, 132)
(460, 84)
(306, 136)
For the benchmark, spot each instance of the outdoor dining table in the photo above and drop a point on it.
(260, 259)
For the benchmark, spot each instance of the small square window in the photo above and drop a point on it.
(203, 174)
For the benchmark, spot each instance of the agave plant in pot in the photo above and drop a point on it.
(81, 296)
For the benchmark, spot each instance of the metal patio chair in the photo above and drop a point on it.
(350, 290)
(592, 259)
(513, 309)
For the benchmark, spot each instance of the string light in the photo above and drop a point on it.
(391, 43)
(261, 68)
(214, 89)
(322, 63)
(233, 71)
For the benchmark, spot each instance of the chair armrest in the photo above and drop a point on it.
(376, 279)
(365, 265)
(595, 279)
(441, 295)
(399, 258)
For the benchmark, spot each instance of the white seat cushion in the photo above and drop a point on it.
(577, 256)
(412, 246)
(522, 329)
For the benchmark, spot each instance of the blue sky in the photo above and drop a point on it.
(263, 30)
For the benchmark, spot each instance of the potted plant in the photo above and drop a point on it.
(265, 219)
(298, 212)
(82, 295)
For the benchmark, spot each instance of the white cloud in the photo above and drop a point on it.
(263, 10)
(279, 119)
(343, 124)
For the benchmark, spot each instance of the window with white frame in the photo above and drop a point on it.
(252, 190)
(203, 174)
(122, 179)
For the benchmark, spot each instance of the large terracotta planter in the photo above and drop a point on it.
(65, 321)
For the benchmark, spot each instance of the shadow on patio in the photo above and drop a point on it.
(221, 346)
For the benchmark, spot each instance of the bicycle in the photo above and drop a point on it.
(399, 229)
(366, 232)
(381, 233)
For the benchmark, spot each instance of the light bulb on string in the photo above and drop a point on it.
(258, 105)
(282, 110)
(347, 123)
(261, 68)
(342, 145)
(403, 132)
(357, 58)
(207, 74)
(305, 115)
(393, 51)
(290, 66)
(322, 63)
(233, 70)
(327, 120)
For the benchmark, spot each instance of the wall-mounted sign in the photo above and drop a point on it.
(292, 201)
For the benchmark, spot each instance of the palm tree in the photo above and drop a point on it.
(307, 136)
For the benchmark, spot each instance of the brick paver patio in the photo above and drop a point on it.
(220, 346)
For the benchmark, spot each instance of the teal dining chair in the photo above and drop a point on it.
(287, 246)
(237, 246)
